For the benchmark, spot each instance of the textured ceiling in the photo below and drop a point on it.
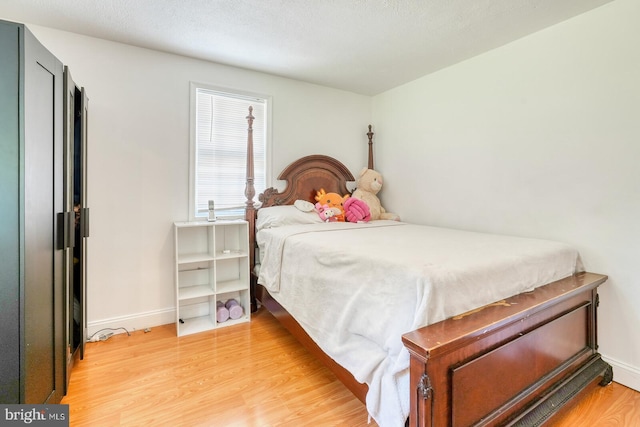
(363, 46)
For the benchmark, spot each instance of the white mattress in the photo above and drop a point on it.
(356, 288)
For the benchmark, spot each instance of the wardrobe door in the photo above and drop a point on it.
(10, 267)
(43, 298)
(82, 144)
(77, 226)
(69, 219)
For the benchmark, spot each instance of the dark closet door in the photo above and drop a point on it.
(69, 219)
(43, 297)
(74, 246)
(83, 144)
(10, 212)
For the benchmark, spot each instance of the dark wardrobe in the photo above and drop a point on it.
(44, 226)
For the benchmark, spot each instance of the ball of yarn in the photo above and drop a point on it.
(356, 210)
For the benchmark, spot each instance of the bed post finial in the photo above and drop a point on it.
(370, 135)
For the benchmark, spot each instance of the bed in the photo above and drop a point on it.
(511, 341)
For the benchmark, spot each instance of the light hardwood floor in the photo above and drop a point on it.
(253, 374)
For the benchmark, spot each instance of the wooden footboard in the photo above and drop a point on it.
(514, 362)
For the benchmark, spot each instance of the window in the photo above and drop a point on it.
(219, 149)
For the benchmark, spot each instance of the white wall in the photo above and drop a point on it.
(138, 159)
(538, 138)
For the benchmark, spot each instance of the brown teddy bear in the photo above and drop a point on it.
(368, 184)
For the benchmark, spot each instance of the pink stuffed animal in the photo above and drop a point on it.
(356, 210)
(327, 213)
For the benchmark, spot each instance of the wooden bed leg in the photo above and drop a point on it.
(252, 293)
(607, 377)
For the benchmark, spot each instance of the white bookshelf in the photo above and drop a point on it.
(211, 264)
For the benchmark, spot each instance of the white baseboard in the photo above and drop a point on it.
(624, 374)
(133, 322)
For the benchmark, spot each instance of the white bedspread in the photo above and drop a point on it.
(356, 288)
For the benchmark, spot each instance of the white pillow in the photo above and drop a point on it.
(277, 216)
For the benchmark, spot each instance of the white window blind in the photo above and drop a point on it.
(221, 150)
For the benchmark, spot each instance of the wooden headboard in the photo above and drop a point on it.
(305, 177)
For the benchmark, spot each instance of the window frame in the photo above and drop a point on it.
(193, 87)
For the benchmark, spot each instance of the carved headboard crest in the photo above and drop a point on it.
(305, 177)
